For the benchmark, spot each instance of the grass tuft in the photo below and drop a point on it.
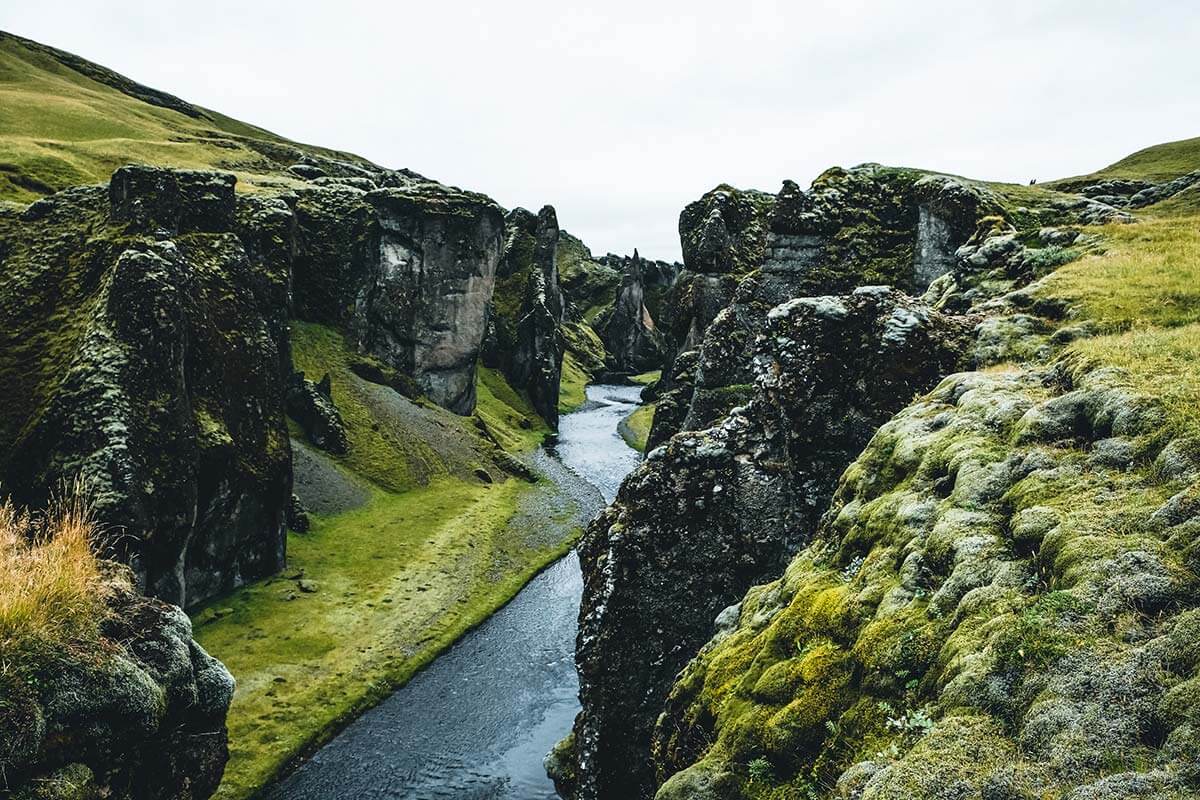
(52, 587)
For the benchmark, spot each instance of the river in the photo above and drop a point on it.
(477, 722)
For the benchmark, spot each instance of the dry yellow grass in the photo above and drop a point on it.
(52, 587)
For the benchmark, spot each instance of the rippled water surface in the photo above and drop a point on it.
(478, 721)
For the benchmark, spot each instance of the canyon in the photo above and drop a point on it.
(918, 515)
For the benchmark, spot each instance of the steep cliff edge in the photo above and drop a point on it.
(525, 338)
(144, 350)
(1013, 537)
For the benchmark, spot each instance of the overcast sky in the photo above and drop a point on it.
(619, 113)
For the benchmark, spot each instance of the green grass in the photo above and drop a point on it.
(1161, 162)
(635, 429)
(647, 378)
(60, 128)
(397, 582)
(572, 388)
(507, 413)
(1159, 362)
(1150, 275)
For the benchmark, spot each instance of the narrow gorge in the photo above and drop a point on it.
(320, 479)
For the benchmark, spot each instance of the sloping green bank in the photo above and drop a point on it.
(414, 548)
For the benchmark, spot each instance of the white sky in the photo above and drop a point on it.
(619, 113)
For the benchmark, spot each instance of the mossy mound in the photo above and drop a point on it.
(982, 605)
(137, 712)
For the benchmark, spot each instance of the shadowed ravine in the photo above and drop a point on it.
(478, 722)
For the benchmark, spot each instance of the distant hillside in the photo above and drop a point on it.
(66, 121)
(1162, 162)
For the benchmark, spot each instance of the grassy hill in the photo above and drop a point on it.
(66, 121)
(1162, 162)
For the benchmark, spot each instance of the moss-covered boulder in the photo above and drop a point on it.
(143, 349)
(137, 715)
(740, 499)
(999, 602)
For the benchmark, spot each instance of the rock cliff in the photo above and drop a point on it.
(941, 606)
(744, 496)
(525, 337)
(407, 270)
(628, 330)
(145, 351)
(146, 346)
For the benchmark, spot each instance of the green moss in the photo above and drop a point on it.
(572, 388)
(635, 428)
(384, 606)
(646, 378)
(506, 414)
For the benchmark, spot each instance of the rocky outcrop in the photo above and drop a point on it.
(628, 330)
(960, 620)
(537, 360)
(408, 271)
(746, 495)
(311, 405)
(143, 348)
(723, 236)
(525, 337)
(141, 716)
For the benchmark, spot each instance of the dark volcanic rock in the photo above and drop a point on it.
(713, 512)
(143, 718)
(525, 337)
(143, 349)
(628, 330)
(408, 271)
(311, 405)
(537, 359)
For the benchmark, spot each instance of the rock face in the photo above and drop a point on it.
(628, 330)
(867, 225)
(408, 270)
(143, 345)
(525, 337)
(960, 621)
(746, 495)
(142, 719)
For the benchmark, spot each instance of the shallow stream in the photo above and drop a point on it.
(476, 724)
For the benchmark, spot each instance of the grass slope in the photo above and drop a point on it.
(60, 127)
(374, 593)
(1162, 162)
(635, 429)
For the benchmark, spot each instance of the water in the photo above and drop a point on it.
(476, 724)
